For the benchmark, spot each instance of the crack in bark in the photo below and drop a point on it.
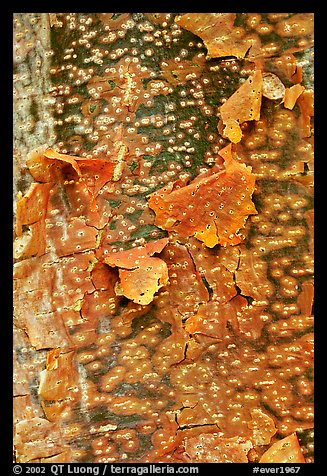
(190, 425)
(204, 280)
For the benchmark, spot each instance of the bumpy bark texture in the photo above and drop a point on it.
(163, 275)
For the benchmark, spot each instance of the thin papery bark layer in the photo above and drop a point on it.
(212, 209)
(218, 33)
(58, 379)
(140, 284)
(52, 215)
(44, 289)
(51, 166)
(223, 37)
(244, 105)
(292, 94)
(287, 450)
(141, 275)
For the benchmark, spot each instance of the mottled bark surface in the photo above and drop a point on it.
(33, 127)
(142, 332)
(32, 100)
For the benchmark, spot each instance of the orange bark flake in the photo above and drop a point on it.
(305, 298)
(141, 284)
(51, 166)
(292, 94)
(30, 228)
(52, 215)
(212, 209)
(306, 105)
(218, 33)
(244, 105)
(245, 35)
(287, 450)
(57, 381)
(43, 290)
(141, 275)
(32, 242)
(32, 206)
(130, 259)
